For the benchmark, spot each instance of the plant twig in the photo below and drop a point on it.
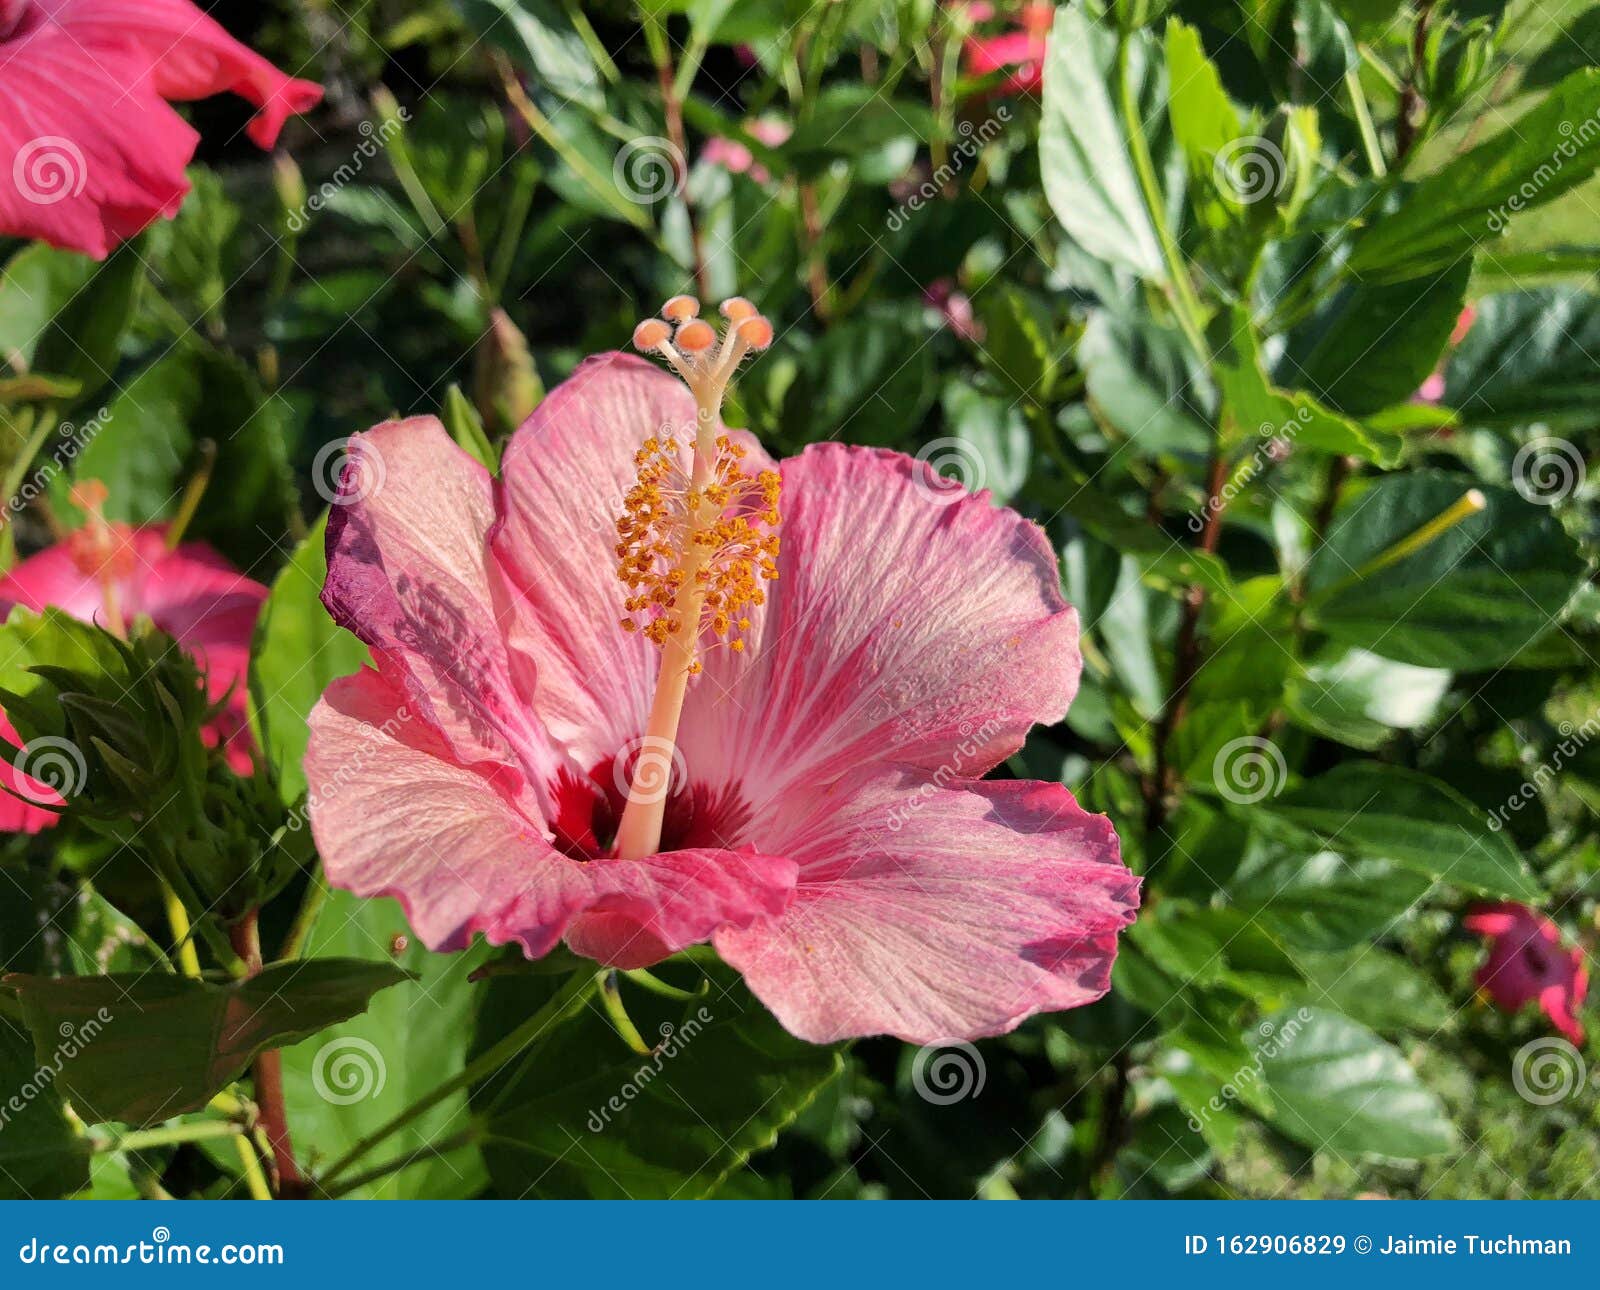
(246, 937)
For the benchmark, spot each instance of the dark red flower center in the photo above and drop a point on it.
(587, 812)
(11, 12)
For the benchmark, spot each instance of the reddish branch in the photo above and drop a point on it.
(246, 938)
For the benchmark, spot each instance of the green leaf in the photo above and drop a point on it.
(150, 1047)
(1470, 599)
(1139, 380)
(992, 443)
(1083, 154)
(1392, 813)
(1361, 699)
(1480, 192)
(1529, 358)
(65, 316)
(1253, 408)
(584, 1116)
(851, 121)
(461, 419)
(1204, 120)
(41, 1156)
(143, 442)
(298, 650)
(352, 1078)
(1374, 345)
(540, 40)
(1337, 1087)
(1378, 989)
(1325, 902)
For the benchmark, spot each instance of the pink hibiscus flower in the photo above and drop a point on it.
(736, 157)
(111, 574)
(1527, 964)
(90, 151)
(638, 734)
(1021, 50)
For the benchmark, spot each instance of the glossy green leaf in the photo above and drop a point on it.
(1529, 358)
(1337, 1087)
(1083, 152)
(1471, 598)
(150, 1046)
(1361, 699)
(1391, 813)
(41, 1155)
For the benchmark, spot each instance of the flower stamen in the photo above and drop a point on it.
(696, 544)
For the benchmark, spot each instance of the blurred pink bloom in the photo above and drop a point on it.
(1527, 964)
(737, 158)
(1021, 49)
(955, 307)
(191, 593)
(90, 151)
(1432, 389)
(825, 824)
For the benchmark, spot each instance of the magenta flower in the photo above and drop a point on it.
(1020, 51)
(90, 151)
(736, 158)
(111, 574)
(610, 707)
(1528, 964)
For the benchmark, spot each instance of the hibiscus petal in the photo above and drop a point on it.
(192, 56)
(912, 622)
(934, 914)
(19, 809)
(563, 479)
(394, 815)
(409, 572)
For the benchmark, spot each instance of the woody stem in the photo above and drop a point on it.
(639, 833)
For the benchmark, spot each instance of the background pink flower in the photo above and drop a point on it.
(1528, 964)
(90, 151)
(191, 593)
